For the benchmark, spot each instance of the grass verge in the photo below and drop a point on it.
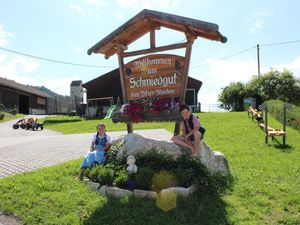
(8, 117)
(266, 189)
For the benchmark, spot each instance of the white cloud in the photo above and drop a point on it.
(60, 86)
(20, 70)
(119, 15)
(293, 66)
(258, 24)
(97, 3)
(4, 35)
(2, 57)
(21, 64)
(77, 8)
(256, 20)
(78, 49)
(94, 8)
(149, 4)
(17, 65)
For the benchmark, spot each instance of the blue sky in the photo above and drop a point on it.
(64, 30)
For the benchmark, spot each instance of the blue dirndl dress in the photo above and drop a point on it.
(98, 155)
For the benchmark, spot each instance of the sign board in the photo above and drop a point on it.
(41, 101)
(249, 101)
(154, 76)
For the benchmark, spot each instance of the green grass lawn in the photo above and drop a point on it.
(8, 117)
(266, 188)
(76, 125)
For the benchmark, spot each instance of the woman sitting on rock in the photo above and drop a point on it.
(191, 131)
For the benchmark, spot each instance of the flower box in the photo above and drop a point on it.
(148, 117)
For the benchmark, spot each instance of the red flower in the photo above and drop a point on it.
(135, 109)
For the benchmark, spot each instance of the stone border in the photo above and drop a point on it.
(119, 192)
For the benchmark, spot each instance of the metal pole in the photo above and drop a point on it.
(55, 106)
(258, 60)
(284, 124)
(266, 126)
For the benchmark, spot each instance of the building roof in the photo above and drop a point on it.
(22, 87)
(106, 81)
(141, 24)
(76, 83)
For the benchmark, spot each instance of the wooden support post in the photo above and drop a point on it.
(152, 37)
(188, 51)
(129, 127)
(121, 69)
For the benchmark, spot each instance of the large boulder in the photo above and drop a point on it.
(135, 144)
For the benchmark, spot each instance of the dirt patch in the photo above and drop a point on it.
(9, 219)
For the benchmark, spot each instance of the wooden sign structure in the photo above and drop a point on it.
(155, 75)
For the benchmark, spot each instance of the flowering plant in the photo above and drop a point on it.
(136, 108)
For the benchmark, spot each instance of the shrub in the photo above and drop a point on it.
(121, 178)
(93, 173)
(105, 175)
(2, 115)
(183, 172)
(163, 179)
(143, 178)
(111, 157)
(13, 111)
(157, 161)
(185, 177)
(2, 107)
(275, 108)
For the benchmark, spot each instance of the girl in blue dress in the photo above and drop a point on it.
(101, 142)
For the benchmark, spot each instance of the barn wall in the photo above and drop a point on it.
(10, 98)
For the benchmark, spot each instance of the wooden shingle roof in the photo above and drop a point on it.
(21, 87)
(141, 24)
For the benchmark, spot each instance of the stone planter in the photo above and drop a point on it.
(119, 192)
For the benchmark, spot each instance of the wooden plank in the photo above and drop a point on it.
(154, 50)
(276, 133)
(148, 117)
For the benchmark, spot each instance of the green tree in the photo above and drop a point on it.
(232, 96)
(276, 85)
(271, 85)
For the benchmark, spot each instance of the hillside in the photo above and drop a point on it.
(48, 91)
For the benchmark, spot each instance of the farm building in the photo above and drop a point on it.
(26, 99)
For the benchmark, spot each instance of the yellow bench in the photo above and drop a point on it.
(272, 131)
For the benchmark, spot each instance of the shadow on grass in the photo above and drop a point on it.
(54, 121)
(206, 209)
(284, 148)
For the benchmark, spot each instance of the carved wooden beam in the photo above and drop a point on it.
(120, 46)
(153, 50)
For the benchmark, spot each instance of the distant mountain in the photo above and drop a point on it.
(49, 92)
